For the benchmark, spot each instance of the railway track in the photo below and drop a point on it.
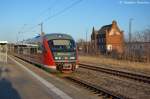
(106, 94)
(129, 75)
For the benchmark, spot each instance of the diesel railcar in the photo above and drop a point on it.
(56, 51)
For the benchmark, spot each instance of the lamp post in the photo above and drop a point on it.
(130, 29)
(41, 25)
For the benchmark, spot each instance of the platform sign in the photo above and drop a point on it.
(3, 51)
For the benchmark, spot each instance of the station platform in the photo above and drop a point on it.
(21, 80)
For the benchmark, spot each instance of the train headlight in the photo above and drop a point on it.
(59, 57)
(72, 57)
(56, 57)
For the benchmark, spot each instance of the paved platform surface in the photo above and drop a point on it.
(16, 82)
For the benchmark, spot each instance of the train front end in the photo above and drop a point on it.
(64, 53)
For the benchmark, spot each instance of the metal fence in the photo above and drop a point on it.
(136, 51)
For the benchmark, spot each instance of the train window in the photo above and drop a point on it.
(33, 50)
(39, 49)
(63, 44)
(44, 49)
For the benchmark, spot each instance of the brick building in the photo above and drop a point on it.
(108, 38)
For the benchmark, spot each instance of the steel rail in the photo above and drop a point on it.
(100, 91)
(125, 74)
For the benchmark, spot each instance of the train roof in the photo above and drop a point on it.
(50, 36)
(57, 36)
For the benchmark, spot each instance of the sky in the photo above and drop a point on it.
(20, 19)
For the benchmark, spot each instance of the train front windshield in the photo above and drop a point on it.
(62, 45)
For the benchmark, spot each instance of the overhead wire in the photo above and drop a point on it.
(49, 8)
(56, 14)
(63, 10)
(36, 25)
(32, 28)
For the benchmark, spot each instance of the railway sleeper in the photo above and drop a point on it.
(100, 91)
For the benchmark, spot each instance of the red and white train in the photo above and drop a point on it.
(56, 51)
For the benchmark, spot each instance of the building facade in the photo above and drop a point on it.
(108, 38)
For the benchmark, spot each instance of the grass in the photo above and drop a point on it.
(110, 62)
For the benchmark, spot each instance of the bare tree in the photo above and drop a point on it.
(146, 33)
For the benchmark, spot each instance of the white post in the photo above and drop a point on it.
(3, 51)
(6, 52)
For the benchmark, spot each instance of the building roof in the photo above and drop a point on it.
(26, 45)
(104, 28)
(3, 42)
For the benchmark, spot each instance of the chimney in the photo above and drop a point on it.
(114, 23)
(93, 29)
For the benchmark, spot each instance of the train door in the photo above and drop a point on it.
(47, 55)
(3, 51)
